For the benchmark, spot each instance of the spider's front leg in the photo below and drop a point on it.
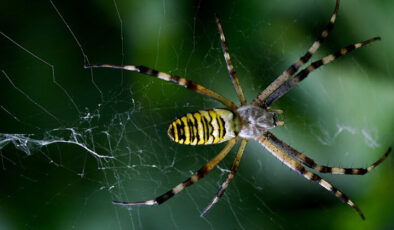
(299, 63)
(230, 67)
(287, 86)
(175, 79)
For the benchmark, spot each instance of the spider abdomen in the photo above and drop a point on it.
(204, 127)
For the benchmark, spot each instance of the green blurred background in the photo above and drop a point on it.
(341, 116)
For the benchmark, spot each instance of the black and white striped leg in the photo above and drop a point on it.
(308, 162)
(230, 67)
(193, 179)
(300, 62)
(282, 90)
(175, 79)
(230, 177)
(278, 152)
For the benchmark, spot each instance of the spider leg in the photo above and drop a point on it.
(175, 79)
(308, 162)
(300, 62)
(282, 90)
(280, 154)
(230, 67)
(191, 180)
(230, 177)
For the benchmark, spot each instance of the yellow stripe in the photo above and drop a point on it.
(194, 132)
(208, 127)
(204, 127)
(186, 130)
(215, 126)
(176, 138)
(200, 128)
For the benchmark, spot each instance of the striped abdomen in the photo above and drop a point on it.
(204, 127)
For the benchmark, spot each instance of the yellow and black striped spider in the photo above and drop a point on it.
(248, 121)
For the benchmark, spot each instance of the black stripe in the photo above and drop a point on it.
(329, 27)
(347, 48)
(302, 171)
(225, 47)
(348, 171)
(191, 131)
(164, 197)
(325, 169)
(220, 124)
(279, 92)
(292, 69)
(342, 197)
(306, 57)
(210, 125)
(191, 85)
(181, 131)
(224, 126)
(362, 171)
(300, 76)
(308, 162)
(205, 128)
(316, 64)
(148, 71)
(196, 127)
(142, 69)
(202, 172)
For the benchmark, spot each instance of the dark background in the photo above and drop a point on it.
(54, 111)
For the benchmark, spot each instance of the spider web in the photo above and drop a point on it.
(72, 140)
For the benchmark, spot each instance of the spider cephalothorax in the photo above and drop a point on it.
(249, 121)
(255, 121)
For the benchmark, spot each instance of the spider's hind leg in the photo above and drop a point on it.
(191, 180)
(276, 150)
(234, 169)
(308, 162)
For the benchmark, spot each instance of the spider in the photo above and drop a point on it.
(248, 121)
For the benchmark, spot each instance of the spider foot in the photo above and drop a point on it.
(278, 111)
(148, 202)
